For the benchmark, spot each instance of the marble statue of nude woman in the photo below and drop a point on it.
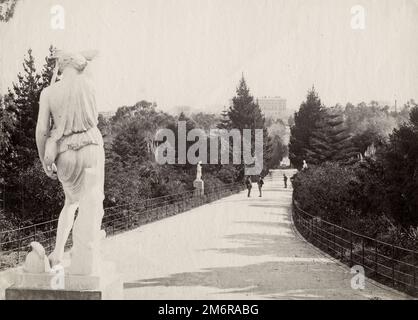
(70, 148)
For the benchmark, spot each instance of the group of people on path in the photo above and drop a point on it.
(260, 183)
(249, 185)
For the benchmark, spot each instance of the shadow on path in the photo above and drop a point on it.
(269, 279)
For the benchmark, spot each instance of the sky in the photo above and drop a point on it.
(193, 52)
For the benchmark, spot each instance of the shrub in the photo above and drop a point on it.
(327, 191)
(354, 197)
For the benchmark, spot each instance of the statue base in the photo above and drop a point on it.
(38, 294)
(199, 187)
(46, 286)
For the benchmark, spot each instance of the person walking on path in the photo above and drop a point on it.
(260, 183)
(285, 180)
(249, 185)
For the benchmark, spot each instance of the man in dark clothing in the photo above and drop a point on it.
(285, 180)
(249, 185)
(260, 183)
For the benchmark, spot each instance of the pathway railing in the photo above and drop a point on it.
(388, 263)
(14, 244)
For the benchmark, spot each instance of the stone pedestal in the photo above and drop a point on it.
(199, 187)
(49, 286)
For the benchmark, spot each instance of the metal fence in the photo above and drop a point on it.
(14, 244)
(388, 263)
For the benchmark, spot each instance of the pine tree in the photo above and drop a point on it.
(7, 126)
(25, 107)
(267, 151)
(25, 95)
(400, 161)
(304, 124)
(330, 140)
(245, 113)
(48, 68)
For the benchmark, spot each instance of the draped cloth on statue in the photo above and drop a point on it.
(71, 165)
(75, 131)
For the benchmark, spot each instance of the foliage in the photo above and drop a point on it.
(279, 151)
(377, 197)
(245, 113)
(370, 124)
(25, 96)
(7, 9)
(330, 139)
(42, 198)
(401, 170)
(304, 124)
(225, 122)
(7, 127)
(337, 194)
(19, 170)
(205, 121)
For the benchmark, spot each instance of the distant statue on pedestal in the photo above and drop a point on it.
(198, 184)
(72, 152)
(199, 171)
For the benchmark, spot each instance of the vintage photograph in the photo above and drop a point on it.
(227, 151)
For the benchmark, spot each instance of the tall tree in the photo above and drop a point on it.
(330, 140)
(19, 116)
(25, 94)
(7, 127)
(304, 124)
(401, 171)
(279, 151)
(48, 67)
(245, 113)
(268, 148)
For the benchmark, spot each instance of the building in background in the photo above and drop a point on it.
(107, 114)
(187, 110)
(273, 107)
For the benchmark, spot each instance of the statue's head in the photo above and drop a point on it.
(77, 61)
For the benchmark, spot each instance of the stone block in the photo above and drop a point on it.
(104, 286)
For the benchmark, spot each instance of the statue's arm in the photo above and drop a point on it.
(43, 125)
